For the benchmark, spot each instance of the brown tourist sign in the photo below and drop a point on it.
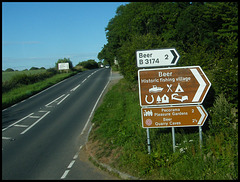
(179, 116)
(172, 86)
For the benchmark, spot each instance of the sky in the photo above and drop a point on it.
(37, 34)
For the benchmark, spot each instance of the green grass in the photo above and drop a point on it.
(18, 94)
(117, 127)
(6, 76)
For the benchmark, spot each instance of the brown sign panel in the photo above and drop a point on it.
(172, 86)
(179, 116)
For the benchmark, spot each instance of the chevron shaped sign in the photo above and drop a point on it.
(157, 57)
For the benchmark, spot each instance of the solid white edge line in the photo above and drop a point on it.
(34, 123)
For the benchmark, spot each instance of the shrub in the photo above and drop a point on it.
(221, 114)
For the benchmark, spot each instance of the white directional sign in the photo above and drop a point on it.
(172, 86)
(63, 66)
(157, 57)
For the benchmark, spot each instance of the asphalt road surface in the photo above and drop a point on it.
(42, 136)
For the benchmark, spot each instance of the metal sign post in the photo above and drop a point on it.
(148, 141)
(200, 136)
(173, 137)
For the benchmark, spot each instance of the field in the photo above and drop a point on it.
(6, 76)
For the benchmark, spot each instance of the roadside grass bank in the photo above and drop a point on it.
(22, 92)
(118, 139)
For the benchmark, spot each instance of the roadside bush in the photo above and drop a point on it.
(221, 114)
(89, 64)
(24, 79)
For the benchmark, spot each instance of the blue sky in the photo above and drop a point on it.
(39, 33)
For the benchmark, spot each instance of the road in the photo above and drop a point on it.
(43, 135)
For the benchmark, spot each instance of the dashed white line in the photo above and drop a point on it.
(65, 174)
(71, 164)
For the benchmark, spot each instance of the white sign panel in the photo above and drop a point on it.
(157, 57)
(63, 66)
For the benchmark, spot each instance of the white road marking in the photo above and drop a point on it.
(54, 100)
(6, 138)
(75, 88)
(34, 123)
(17, 122)
(65, 174)
(63, 99)
(21, 125)
(36, 117)
(71, 164)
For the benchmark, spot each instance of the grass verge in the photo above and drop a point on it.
(25, 91)
(119, 140)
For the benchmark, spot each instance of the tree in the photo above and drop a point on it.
(9, 70)
(204, 33)
(33, 68)
(89, 64)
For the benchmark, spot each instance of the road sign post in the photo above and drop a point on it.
(167, 95)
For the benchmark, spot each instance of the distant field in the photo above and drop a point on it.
(7, 75)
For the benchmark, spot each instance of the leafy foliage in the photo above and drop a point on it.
(89, 64)
(204, 34)
(117, 125)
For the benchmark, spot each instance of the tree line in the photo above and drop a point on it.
(203, 33)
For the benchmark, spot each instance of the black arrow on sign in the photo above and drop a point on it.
(174, 56)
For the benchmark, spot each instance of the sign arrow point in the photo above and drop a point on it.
(174, 56)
